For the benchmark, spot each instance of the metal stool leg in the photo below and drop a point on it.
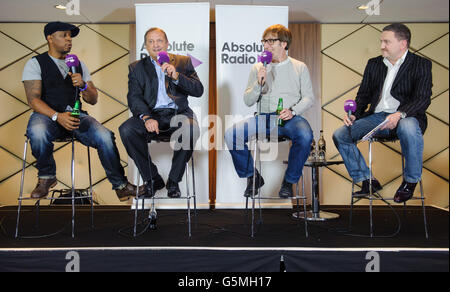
(193, 187)
(73, 187)
(137, 206)
(422, 198)
(370, 188)
(254, 188)
(304, 207)
(37, 206)
(152, 215)
(403, 175)
(90, 187)
(350, 223)
(260, 221)
(21, 186)
(188, 196)
(297, 198)
(303, 197)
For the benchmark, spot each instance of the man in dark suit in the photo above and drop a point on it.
(158, 98)
(397, 86)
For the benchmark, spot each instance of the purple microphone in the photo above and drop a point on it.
(72, 62)
(265, 58)
(350, 107)
(163, 57)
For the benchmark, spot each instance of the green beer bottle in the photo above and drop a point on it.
(76, 109)
(279, 110)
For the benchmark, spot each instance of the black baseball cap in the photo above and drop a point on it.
(55, 26)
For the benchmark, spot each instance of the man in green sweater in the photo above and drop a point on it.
(284, 78)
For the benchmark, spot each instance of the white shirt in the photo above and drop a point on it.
(162, 100)
(388, 103)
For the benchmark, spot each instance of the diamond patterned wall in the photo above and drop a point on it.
(345, 51)
(105, 48)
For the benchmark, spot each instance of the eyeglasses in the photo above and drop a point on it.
(270, 41)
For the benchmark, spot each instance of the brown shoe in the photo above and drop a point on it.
(42, 187)
(128, 192)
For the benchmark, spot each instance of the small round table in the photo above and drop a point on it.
(315, 214)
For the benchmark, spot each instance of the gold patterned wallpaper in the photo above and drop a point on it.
(105, 48)
(346, 49)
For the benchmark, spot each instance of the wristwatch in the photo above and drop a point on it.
(402, 115)
(293, 112)
(55, 117)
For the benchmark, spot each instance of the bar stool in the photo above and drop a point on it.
(375, 196)
(152, 216)
(257, 193)
(85, 194)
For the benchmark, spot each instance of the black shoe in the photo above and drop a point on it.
(405, 192)
(259, 184)
(173, 191)
(158, 184)
(286, 190)
(365, 190)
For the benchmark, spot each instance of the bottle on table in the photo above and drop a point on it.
(312, 153)
(321, 147)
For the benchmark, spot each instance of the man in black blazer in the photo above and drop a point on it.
(396, 87)
(158, 99)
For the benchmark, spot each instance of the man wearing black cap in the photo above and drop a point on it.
(50, 89)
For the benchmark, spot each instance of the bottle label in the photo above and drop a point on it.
(279, 110)
(76, 109)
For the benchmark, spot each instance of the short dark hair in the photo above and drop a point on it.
(155, 29)
(401, 31)
(282, 32)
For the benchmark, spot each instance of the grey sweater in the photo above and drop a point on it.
(289, 80)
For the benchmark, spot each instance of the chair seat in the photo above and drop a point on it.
(161, 138)
(384, 138)
(65, 140)
(60, 140)
(280, 139)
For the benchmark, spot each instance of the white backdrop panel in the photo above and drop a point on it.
(239, 32)
(187, 29)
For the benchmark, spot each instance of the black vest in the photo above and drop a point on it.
(57, 92)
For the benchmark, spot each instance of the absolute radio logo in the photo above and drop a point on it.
(176, 48)
(237, 53)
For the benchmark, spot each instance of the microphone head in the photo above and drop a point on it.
(72, 60)
(350, 105)
(163, 57)
(265, 58)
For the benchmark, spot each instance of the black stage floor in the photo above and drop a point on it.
(226, 231)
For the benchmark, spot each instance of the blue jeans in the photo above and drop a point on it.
(42, 131)
(297, 130)
(408, 132)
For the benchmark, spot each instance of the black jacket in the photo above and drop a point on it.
(143, 85)
(411, 87)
